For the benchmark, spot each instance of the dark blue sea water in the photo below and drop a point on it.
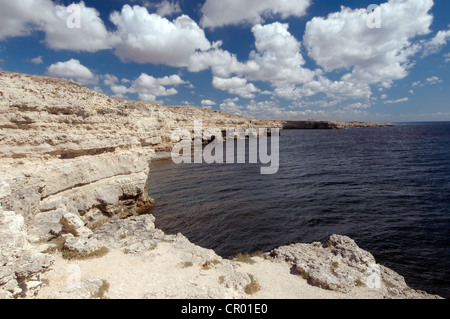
(387, 188)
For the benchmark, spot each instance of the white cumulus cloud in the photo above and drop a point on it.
(72, 70)
(343, 40)
(150, 38)
(21, 18)
(221, 62)
(236, 85)
(91, 35)
(277, 58)
(109, 79)
(218, 13)
(147, 87)
(208, 103)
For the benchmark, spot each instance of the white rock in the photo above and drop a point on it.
(74, 225)
(5, 190)
(82, 245)
(10, 221)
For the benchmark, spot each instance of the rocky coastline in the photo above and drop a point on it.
(318, 125)
(74, 166)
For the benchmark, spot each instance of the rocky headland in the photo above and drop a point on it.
(74, 166)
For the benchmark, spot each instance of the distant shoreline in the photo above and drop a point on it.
(317, 124)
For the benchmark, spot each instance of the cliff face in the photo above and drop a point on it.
(66, 148)
(75, 163)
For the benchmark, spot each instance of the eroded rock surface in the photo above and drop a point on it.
(166, 266)
(72, 154)
(73, 224)
(67, 148)
(20, 267)
(341, 266)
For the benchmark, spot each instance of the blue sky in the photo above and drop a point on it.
(291, 59)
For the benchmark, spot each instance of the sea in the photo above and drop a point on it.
(388, 188)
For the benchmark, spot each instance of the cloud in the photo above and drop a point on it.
(229, 106)
(338, 90)
(91, 36)
(356, 111)
(37, 60)
(167, 8)
(405, 99)
(447, 57)
(428, 81)
(217, 13)
(263, 109)
(340, 43)
(433, 80)
(235, 85)
(140, 37)
(72, 70)
(357, 105)
(277, 58)
(119, 91)
(208, 103)
(343, 41)
(436, 43)
(109, 79)
(147, 87)
(150, 38)
(221, 62)
(21, 18)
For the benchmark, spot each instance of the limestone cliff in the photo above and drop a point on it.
(66, 148)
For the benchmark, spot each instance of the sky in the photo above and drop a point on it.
(287, 59)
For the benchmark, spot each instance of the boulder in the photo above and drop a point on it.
(73, 224)
(47, 224)
(82, 245)
(133, 235)
(341, 266)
